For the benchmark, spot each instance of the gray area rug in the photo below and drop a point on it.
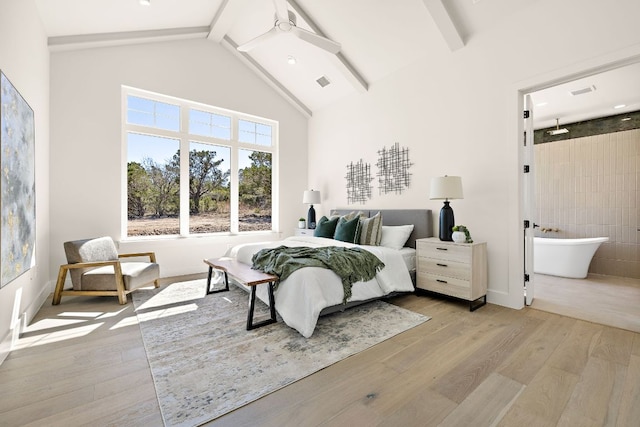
(205, 363)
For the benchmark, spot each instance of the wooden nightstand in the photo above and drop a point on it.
(304, 232)
(455, 269)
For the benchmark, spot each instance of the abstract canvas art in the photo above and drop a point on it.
(18, 199)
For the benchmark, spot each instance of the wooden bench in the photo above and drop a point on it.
(247, 276)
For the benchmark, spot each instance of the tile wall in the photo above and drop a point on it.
(590, 187)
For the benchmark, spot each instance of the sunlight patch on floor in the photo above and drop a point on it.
(127, 321)
(52, 337)
(84, 314)
(167, 312)
(49, 323)
(113, 313)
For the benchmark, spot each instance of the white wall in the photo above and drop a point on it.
(24, 58)
(458, 113)
(86, 171)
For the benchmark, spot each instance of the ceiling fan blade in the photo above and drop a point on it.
(258, 40)
(282, 12)
(319, 41)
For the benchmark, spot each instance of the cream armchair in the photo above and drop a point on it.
(96, 269)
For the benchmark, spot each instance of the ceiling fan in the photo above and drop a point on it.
(285, 23)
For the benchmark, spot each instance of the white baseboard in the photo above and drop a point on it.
(8, 341)
(5, 346)
(37, 303)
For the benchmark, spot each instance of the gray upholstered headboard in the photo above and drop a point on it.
(420, 218)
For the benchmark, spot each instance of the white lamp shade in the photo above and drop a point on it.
(446, 187)
(311, 197)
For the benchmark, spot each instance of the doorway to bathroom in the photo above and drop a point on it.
(609, 300)
(587, 184)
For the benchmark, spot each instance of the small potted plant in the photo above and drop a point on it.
(302, 223)
(461, 234)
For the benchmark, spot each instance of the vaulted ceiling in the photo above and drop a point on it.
(376, 38)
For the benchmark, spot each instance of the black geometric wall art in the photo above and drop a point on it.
(393, 169)
(358, 182)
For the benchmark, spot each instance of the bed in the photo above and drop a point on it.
(311, 292)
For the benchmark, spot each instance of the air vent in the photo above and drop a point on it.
(323, 81)
(582, 91)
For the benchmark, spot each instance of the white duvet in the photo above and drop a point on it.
(306, 292)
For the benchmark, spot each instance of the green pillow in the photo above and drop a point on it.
(326, 227)
(347, 229)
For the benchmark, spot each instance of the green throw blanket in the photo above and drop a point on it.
(351, 264)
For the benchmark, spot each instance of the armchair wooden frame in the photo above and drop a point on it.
(120, 291)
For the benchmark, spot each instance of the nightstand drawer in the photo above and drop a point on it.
(448, 251)
(444, 285)
(446, 268)
(304, 232)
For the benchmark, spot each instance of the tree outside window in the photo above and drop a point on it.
(168, 195)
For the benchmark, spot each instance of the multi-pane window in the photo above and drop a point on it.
(155, 114)
(209, 188)
(254, 133)
(210, 124)
(194, 169)
(254, 183)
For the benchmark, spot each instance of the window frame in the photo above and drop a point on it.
(185, 138)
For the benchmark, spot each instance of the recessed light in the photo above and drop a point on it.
(291, 60)
(145, 2)
(626, 119)
(617, 107)
(541, 104)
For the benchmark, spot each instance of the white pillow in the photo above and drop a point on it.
(395, 236)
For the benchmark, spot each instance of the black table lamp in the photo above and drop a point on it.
(446, 188)
(311, 197)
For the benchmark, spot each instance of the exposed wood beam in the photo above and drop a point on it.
(84, 41)
(444, 23)
(225, 17)
(343, 64)
(266, 76)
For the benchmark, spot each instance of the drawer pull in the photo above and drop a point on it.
(442, 265)
(441, 281)
(441, 249)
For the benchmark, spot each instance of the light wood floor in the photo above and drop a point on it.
(83, 363)
(610, 300)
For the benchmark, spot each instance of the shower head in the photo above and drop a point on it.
(557, 130)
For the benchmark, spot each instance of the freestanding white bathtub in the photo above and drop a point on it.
(564, 257)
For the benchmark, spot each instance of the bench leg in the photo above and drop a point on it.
(215, 291)
(272, 302)
(252, 304)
